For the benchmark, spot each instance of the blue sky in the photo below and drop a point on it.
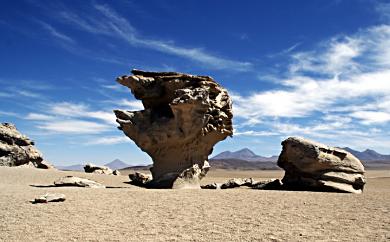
(318, 69)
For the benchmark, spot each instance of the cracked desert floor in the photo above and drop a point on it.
(128, 213)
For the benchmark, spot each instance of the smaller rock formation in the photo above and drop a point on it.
(91, 168)
(273, 184)
(140, 179)
(238, 182)
(17, 149)
(73, 181)
(50, 197)
(310, 165)
(184, 116)
(213, 185)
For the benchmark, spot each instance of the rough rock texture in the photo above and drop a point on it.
(73, 181)
(50, 197)
(184, 117)
(116, 173)
(91, 168)
(238, 182)
(140, 179)
(310, 165)
(17, 149)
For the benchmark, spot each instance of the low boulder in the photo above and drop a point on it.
(310, 165)
(238, 182)
(139, 179)
(73, 181)
(273, 184)
(91, 168)
(17, 149)
(50, 197)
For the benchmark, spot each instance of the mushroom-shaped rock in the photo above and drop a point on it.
(184, 117)
(310, 165)
(17, 149)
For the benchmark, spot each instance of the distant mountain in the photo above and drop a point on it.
(368, 155)
(236, 164)
(77, 167)
(244, 155)
(117, 164)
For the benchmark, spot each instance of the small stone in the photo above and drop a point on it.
(50, 197)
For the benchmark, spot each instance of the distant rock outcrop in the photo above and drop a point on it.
(91, 168)
(184, 117)
(310, 165)
(50, 197)
(17, 149)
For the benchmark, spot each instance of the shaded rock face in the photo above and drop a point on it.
(91, 168)
(184, 117)
(17, 149)
(310, 165)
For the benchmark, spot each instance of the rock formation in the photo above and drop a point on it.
(72, 181)
(313, 166)
(91, 168)
(184, 117)
(17, 149)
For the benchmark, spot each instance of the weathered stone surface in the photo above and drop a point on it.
(91, 168)
(184, 117)
(17, 149)
(140, 179)
(50, 197)
(77, 182)
(273, 184)
(310, 165)
(238, 182)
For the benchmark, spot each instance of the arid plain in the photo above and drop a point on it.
(124, 212)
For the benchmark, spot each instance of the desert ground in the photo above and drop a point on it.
(127, 213)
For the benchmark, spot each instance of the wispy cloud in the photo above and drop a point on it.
(110, 23)
(74, 127)
(54, 32)
(110, 140)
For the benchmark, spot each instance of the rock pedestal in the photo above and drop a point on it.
(310, 165)
(184, 117)
(17, 149)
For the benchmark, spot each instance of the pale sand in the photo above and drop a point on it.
(135, 214)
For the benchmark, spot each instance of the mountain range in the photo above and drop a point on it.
(246, 159)
(114, 165)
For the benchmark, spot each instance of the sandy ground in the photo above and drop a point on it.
(128, 213)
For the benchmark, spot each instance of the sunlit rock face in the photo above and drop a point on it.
(184, 117)
(313, 166)
(17, 149)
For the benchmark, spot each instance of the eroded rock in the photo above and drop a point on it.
(17, 149)
(91, 168)
(50, 197)
(310, 165)
(140, 179)
(73, 181)
(238, 182)
(184, 117)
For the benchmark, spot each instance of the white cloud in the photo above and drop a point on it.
(110, 23)
(255, 133)
(80, 111)
(130, 104)
(109, 140)
(371, 117)
(39, 117)
(74, 127)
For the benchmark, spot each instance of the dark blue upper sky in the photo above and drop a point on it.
(315, 68)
